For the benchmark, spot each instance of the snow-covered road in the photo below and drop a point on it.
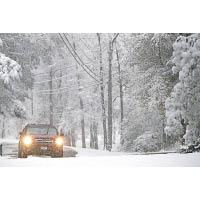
(88, 158)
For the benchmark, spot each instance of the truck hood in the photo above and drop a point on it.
(44, 136)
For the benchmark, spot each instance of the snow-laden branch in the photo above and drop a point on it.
(9, 69)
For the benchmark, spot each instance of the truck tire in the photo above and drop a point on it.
(22, 154)
(57, 155)
(19, 154)
(61, 154)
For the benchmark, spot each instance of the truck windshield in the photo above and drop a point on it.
(41, 130)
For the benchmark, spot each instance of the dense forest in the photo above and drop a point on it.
(125, 92)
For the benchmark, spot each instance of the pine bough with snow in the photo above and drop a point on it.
(183, 105)
(10, 72)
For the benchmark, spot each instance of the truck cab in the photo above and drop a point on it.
(40, 139)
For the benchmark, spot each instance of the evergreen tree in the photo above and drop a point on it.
(182, 107)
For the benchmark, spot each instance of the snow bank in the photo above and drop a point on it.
(9, 140)
(94, 158)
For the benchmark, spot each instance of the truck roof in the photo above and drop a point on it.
(45, 125)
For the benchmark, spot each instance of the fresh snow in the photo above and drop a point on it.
(100, 158)
(8, 141)
(95, 158)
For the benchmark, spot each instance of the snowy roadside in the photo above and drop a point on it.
(100, 158)
(97, 158)
(9, 141)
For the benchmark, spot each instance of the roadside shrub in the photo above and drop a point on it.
(149, 142)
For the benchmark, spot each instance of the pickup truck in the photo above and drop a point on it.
(40, 139)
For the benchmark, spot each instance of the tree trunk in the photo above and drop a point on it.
(32, 103)
(121, 94)
(95, 136)
(159, 52)
(82, 124)
(114, 133)
(164, 138)
(110, 58)
(102, 93)
(68, 138)
(110, 51)
(91, 136)
(3, 127)
(51, 98)
(184, 124)
(73, 138)
(81, 106)
(60, 107)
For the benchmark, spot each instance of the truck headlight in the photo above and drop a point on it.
(59, 141)
(27, 140)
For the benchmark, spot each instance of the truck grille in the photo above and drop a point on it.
(43, 140)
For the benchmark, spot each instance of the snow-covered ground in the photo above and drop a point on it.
(9, 140)
(86, 175)
(90, 157)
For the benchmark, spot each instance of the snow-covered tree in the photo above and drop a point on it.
(10, 70)
(10, 73)
(10, 105)
(147, 83)
(17, 59)
(182, 107)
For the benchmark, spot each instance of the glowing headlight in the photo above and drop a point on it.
(27, 140)
(59, 141)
